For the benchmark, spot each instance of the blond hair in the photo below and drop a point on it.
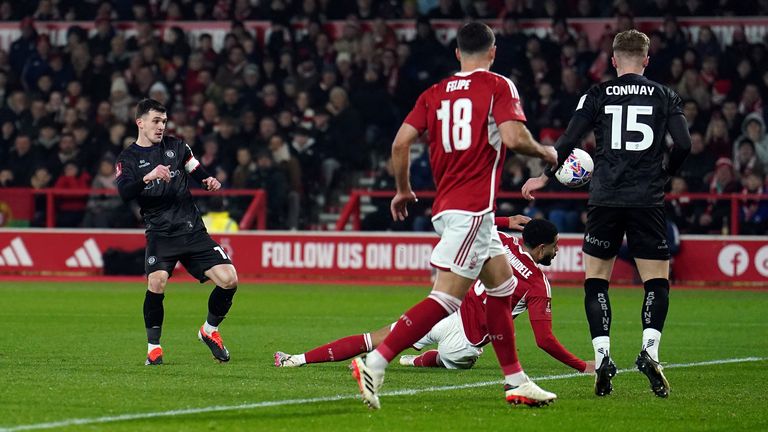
(631, 43)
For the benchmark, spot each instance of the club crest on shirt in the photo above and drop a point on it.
(170, 154)
(151, 260)
(473, 261)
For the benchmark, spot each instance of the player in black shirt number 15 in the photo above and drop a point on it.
(631, 116)
(155, 171)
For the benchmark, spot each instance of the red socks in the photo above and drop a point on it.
(342, 349)
(498, 314)
(412, 326)
(428, 359)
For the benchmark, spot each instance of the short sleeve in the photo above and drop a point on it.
(675, 104)
(588, 104)
(506, 102)
(418, 115)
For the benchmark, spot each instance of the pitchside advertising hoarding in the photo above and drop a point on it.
(367, 258)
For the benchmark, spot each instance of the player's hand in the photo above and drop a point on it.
(399, 205)
(211, 184)
(534, 184)
(518, 222)
(162, 172)
(550, 155)
(590, 369)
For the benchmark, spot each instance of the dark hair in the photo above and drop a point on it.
(475, 37)
(538, 232)
(146, 105)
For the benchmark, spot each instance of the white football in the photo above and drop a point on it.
(576, 170)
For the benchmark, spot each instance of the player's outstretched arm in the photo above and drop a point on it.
(514, 223)
(401, 154)
(681, 142)
(545, 338)
(516, 136)
(577, 127)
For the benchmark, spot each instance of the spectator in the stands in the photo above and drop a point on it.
(217, 219)
(21, 162)
(699, 164)
(713, 214)
(211, 158)
(346, 131)
(680, 209)
(745, 160)
(24, 47)
(753, 128)
(104, 210)
(285, 161)
(274, 183)
(70, 210)
(305, 149)
(754, 212)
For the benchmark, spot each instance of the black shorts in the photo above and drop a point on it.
(197, 253)
(645, 227)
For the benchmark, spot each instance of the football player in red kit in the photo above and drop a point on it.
(470, 119)
(461, 336)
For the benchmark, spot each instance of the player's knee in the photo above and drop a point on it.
(228, 279)
(156, 282)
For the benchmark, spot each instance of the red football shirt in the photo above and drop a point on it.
(461, 115)
(532, 293)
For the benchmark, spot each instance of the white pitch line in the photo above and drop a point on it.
(186, 411)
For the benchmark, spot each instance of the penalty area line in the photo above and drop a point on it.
(285, 402)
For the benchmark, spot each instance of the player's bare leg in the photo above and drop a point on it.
(598, 308)
(655, 274)
(500, 284)
(338, 350)
(153, 315)
(444, 299)
(219, 302)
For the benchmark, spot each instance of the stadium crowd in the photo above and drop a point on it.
(305, 115)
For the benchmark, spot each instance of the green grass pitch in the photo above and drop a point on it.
(76, 351)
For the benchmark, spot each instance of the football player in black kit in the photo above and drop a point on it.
(630, 116)
(155, 170)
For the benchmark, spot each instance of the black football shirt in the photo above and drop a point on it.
(167, 208)
(630, 116)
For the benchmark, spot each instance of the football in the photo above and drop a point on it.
(576, 170)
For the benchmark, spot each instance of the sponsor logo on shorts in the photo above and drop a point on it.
(605, 244)
(171, 154)
(151, 260)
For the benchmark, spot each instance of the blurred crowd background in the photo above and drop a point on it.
(308, 115)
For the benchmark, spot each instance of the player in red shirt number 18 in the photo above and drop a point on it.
(469, 118)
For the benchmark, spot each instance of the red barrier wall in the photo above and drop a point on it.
(359, 257)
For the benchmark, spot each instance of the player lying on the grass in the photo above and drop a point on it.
(461, 336)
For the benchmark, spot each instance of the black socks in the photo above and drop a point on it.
(153, 316)
(597, 306)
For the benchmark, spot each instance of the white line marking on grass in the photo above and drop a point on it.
(187, 411)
